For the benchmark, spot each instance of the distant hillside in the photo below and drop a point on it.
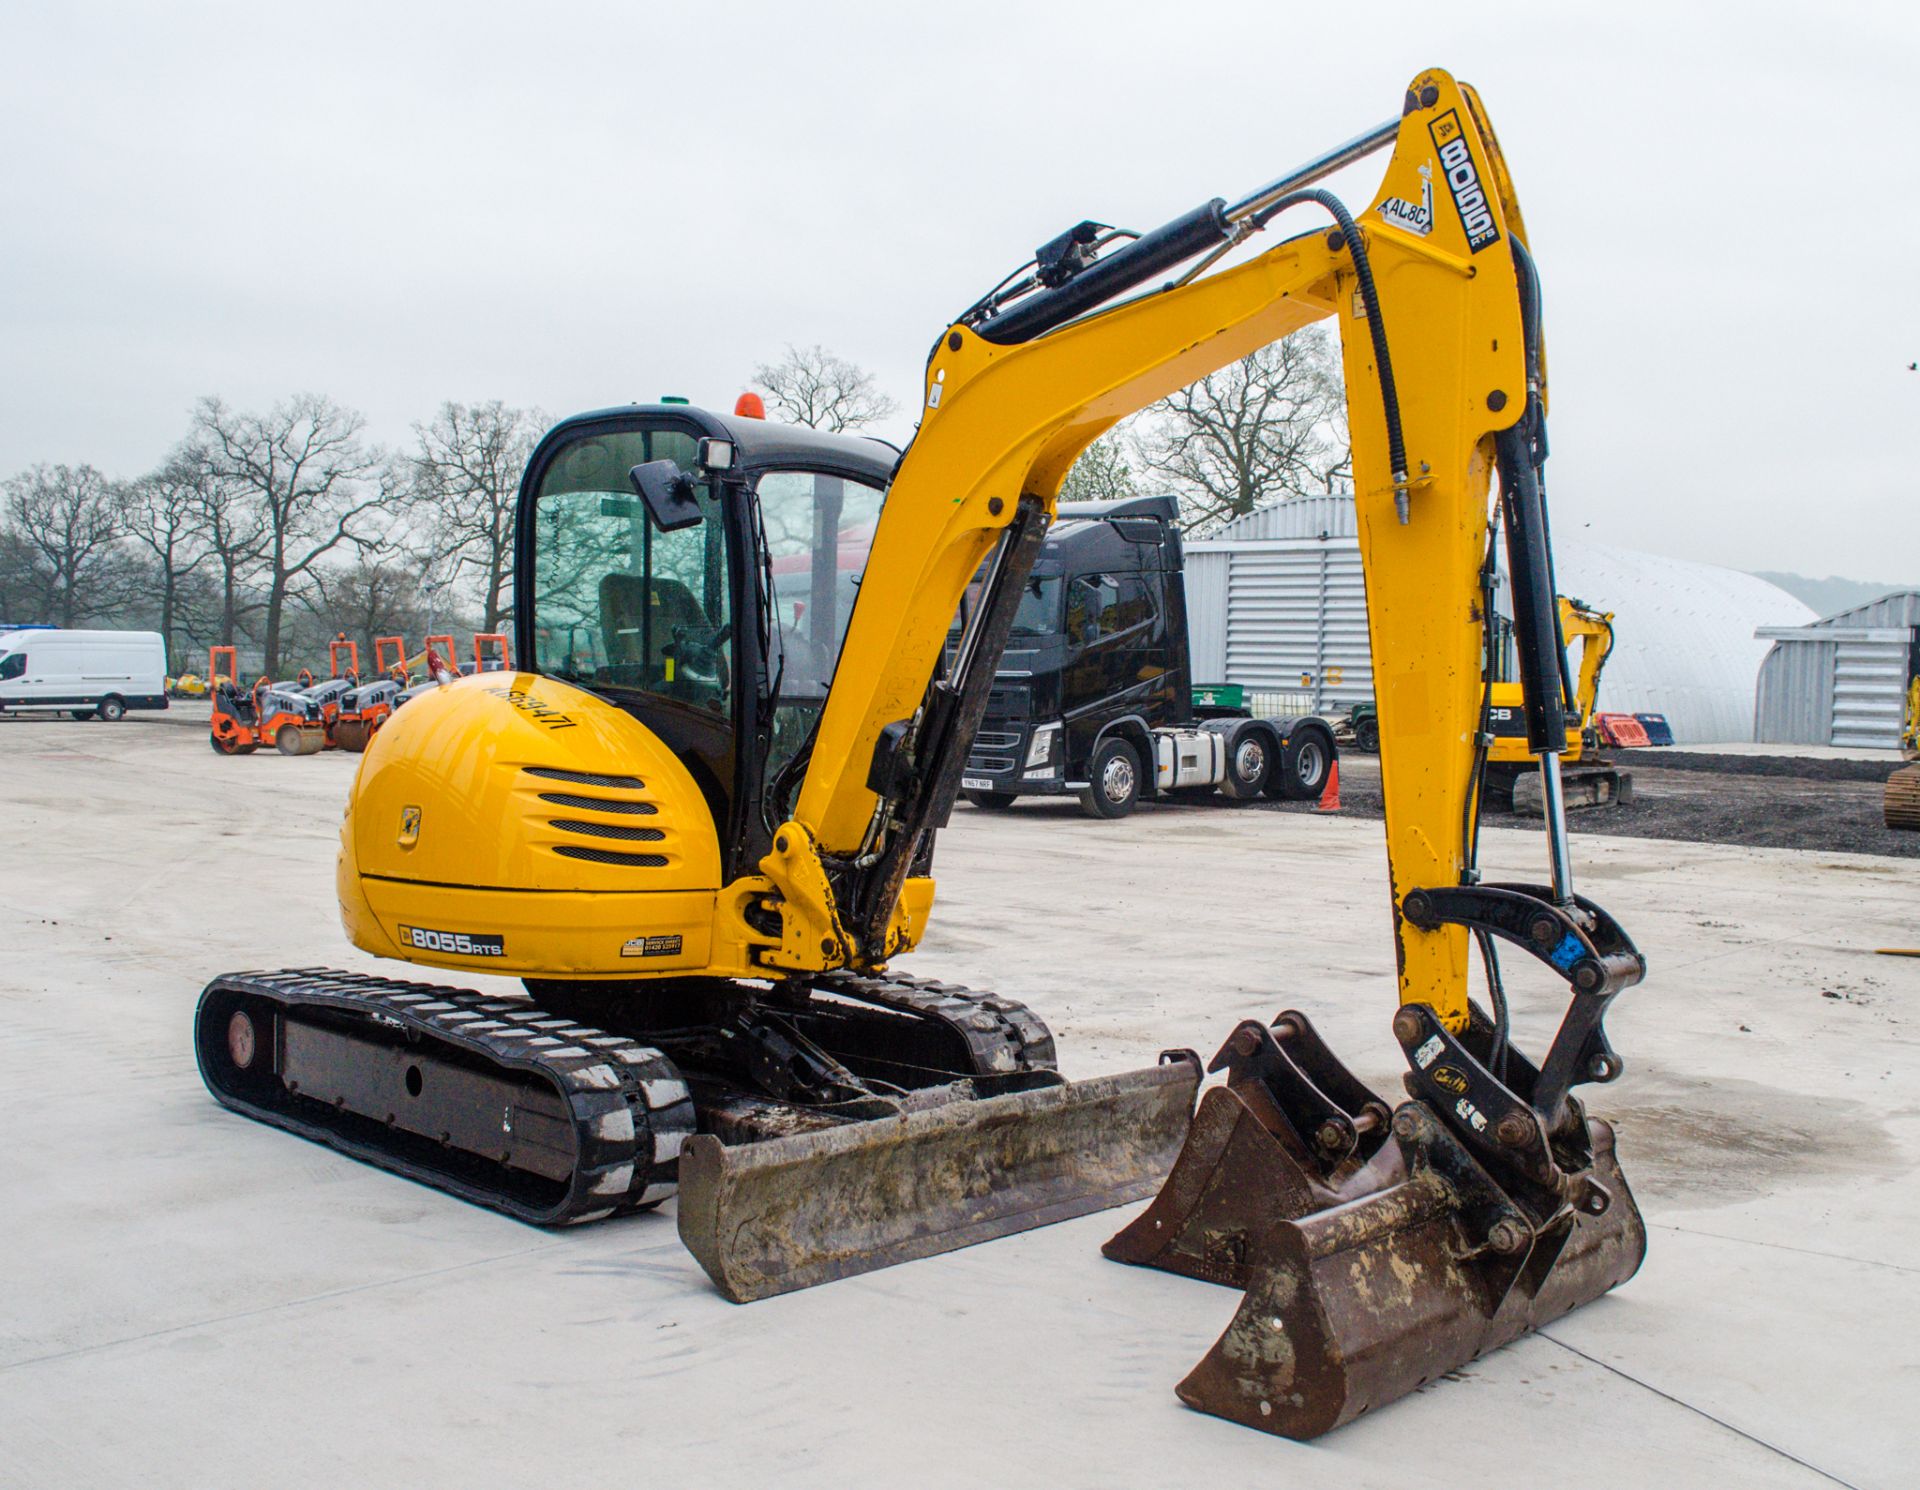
(1832, 593)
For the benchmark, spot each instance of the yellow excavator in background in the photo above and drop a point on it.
(699, 822)
(1586, 780)
(1901, 800)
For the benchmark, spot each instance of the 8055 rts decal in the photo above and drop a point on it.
(1463, 180)
(460, 943)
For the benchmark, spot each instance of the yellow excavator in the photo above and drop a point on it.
(1901, 799)
(699, 821)
(1586, 779)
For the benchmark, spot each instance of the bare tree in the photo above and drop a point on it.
(1103, 473)
(811, 386)
(466, 476)
(1269, 427)
(164, 517)
(367, 599)
(233, 526)
(314, 482)
(68, 521)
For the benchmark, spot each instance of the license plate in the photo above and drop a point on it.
(976, 784)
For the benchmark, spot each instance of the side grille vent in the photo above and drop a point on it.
(585, 778)
(608, 856)
(598, 804)
(608, 830)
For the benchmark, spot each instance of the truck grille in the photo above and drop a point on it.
(996, 739)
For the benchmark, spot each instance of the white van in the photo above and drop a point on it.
(87, 673)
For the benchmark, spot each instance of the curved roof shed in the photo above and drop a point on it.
(1275, 594)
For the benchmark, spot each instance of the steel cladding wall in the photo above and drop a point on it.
(1843, 679)
(1288, 602)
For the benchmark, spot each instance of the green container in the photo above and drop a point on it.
(1219, 696)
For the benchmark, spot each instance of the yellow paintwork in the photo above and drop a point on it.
(998, 423)
(1594, 631)
(447, 831)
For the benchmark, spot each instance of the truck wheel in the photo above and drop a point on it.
(112, 710)
(1366, 735)
(1249, 760)
(991, 801)
(1113, 781)
(1305, 762)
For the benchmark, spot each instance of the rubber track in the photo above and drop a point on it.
(1902, 800)
(631, 1109)
(1002, 1034)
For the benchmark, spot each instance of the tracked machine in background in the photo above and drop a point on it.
(1901, 804)
(1587, 779)
(702, 826)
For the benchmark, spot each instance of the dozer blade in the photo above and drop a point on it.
(1355, 1305)
(771, 1217)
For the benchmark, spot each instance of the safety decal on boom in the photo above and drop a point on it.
(1415, 217)
(1463, 180)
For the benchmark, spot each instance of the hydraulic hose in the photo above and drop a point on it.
(1376, 327)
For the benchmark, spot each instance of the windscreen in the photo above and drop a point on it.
(617, 602)
(819, 529)
(1038, 614)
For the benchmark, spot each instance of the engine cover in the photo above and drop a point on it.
(513, 823)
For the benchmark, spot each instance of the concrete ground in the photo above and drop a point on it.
(188, 1299)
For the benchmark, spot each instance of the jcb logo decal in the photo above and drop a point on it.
(1463, 180)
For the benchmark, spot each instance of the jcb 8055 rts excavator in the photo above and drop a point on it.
(698, 822)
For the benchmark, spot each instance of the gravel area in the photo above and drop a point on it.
(1757, 801)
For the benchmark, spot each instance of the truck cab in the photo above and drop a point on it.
(1094, 694)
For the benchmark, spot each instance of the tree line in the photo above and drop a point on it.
(275, 530)
(278, 529)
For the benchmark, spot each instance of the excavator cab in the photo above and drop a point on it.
(720, 633)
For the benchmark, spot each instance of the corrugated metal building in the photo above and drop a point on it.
(1277, 601)
(1843, 679)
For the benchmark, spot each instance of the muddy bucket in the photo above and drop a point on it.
(786, 1213)
(1367, 1270)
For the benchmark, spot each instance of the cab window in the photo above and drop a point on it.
(1104, 605)
(819, 530)
(618, 602)
(13, 665)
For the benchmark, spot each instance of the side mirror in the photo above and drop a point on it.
(669, 494)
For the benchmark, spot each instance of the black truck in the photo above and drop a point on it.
(1095, 697)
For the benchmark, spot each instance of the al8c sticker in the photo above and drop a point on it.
(459, 943)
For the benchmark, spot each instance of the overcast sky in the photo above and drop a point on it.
(574, 205)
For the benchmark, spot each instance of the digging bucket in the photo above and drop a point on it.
(1372, 1257)
(771, 1217)
(1353, 1307)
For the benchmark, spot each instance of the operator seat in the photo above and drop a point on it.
(633, 608)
